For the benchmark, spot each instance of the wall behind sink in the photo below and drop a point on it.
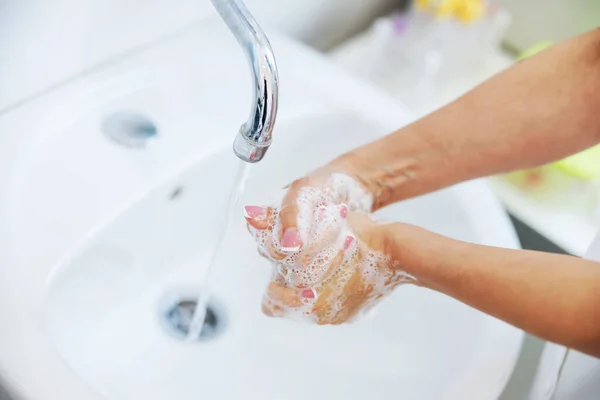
(45, 42)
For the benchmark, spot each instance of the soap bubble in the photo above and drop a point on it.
(322, 263)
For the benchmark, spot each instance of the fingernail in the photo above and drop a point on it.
(254, 212)
(348, 242)
(308, 294)
(290, 241)
(344, 211)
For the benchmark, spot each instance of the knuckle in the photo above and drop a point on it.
(267, 310)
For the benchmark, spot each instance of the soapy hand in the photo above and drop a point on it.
(330, 260)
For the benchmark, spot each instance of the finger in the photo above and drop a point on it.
(289, 236)
(322, 266)
(272, 249)
(258, 217)
(328, 294)
(356, 294)
(271, 310)
(334, 265)
(267, 309)
(327, 227)
(280, 294)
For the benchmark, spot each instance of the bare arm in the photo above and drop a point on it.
(540, 110)
(551, 296)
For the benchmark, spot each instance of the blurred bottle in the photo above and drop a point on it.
(411, 53)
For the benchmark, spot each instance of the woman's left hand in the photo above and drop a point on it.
(354, 279)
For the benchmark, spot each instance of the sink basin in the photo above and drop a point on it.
(98, 239)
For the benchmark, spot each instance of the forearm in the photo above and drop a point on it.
(551, 296)
(538, 111)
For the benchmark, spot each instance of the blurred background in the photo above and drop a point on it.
(422, 53)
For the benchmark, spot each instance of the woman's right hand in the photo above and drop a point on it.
(311, 216)
(330, 259)
(340, 183)
(332, 290)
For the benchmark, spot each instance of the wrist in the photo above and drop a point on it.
(359, 167)
(417, 251)
(399, 166)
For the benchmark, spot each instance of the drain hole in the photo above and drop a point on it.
(175, 194)
(130, 129)
(178, 312)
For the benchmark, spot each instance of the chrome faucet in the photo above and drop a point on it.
(255, 135)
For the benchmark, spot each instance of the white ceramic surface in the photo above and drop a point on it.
(44, 43)
(91, 242)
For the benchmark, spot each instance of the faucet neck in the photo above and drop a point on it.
(254, 137)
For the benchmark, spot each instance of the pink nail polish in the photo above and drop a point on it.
(344, 211)
(254, 212)
(308, 294)
(290, 241)
(348, 242)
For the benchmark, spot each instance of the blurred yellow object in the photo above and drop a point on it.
(445, 9)
(422, 4)
(536, 48)
(584, 165)
(463, 10)
(469, 11)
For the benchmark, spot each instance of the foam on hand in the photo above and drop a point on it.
(331, 257)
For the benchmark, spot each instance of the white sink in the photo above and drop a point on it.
(95, 238)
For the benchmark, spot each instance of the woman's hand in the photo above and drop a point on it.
(331, 261)
(442, 149)
(339, 183)
(360, 277)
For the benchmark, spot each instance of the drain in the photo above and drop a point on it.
(177, 313)
(130, 129)
(175, 194)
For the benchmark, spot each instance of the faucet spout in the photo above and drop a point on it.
(255, 135)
